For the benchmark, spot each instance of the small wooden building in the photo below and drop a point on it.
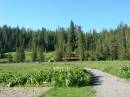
(71, 58)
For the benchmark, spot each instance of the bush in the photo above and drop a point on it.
(125, 71)
(59, 55)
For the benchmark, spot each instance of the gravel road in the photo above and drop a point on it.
(22, 91)
(107, 85)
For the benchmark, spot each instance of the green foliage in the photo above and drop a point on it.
(50, 56)
(40, 56)
(59, 55)
(34, 49)
(81, 44)
(10, 58)
(1, 52)
(117, 68)
(112, 67)
(34, 55)
(112, 44)
(59, 77)
(20, 55)
(17, 56)
(125, 71)
(87, 91)
(71, 41)
(61, 42)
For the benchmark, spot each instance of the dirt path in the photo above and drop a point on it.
(107, 85)
(22, 91)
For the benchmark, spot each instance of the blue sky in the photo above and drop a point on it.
(97, 14)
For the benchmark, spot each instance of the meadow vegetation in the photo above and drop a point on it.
(67, 78)
(58, 77)
(87, 91)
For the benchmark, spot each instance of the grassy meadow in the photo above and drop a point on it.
(112, 67)
(117, 68)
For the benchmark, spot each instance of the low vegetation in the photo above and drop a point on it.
(64, 76)
(71, 92)
(125, 71)
(117, 68)
(59, 77)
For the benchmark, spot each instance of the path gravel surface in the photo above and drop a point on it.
(22, 91)
(107, 85)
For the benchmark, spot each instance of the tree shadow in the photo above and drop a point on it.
(95, 80)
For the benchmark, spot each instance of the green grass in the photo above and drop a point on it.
(87, 91)
(70, 92)
(47, 56)
(112, 67)
(28, 67)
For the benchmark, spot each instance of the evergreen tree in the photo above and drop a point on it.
(61, 39)
(81, 44)
(34, 55)
(10, 58)
(114, 51)
(107, 44)
(17, 56)
(34, 49)
(20, 55)
(71, 39)
(40, 56)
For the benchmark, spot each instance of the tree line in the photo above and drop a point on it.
(112, 44)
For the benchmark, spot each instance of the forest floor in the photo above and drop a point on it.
(107, 85)
(22, 91)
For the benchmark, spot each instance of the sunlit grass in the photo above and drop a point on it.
(70, 92)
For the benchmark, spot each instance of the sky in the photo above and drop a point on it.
(90, 14)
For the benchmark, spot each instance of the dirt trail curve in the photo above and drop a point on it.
(107, 85)
(22, 91)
